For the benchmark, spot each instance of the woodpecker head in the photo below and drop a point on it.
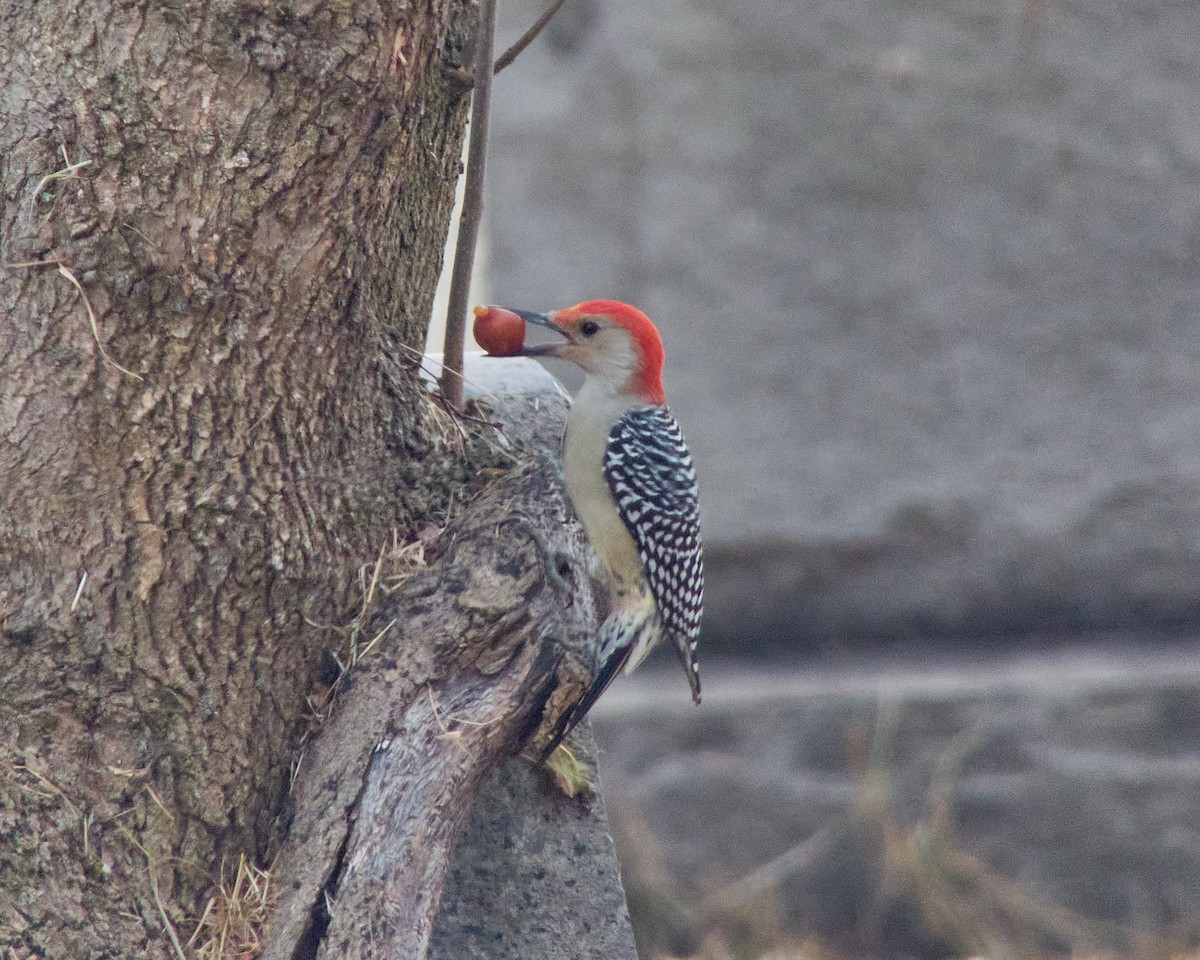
(614, 343)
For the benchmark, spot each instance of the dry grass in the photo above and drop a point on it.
(395, 564)
(954, 903)
(717, 948)
(393, 567)
(233, 920)
(813, 949)
(958, 897)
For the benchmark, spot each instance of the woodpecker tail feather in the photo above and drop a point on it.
(691, 666)
(624, 634)
(570, 718)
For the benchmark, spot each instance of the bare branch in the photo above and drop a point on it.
(472, 211)
(528, 36)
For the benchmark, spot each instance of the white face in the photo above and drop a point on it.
(601, 347)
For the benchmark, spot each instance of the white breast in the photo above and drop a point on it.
(591, 419)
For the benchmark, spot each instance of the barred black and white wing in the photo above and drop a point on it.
(653, 481)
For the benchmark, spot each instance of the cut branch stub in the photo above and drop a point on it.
(487, 645)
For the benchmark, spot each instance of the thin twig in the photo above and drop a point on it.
(295, 772)
(69, 171)
(32, 263)
(422, 358)
(374, 640)
(162, 912)
(208, 909)
(444, 720)
(527, 37)
(771, 874)
(49, 785)
(472, 211)
(87, 305)
(95, 325)
(162, 909)
(79, 591)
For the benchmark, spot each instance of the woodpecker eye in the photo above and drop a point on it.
(589, 328)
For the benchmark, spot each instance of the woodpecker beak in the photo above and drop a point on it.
(545, 349)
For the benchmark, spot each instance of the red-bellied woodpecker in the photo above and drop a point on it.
(632, 483)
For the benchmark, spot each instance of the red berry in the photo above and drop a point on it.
(500, 332)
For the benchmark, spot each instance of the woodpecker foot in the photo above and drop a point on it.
(571, 775)
(554, 561)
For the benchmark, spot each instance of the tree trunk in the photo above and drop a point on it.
(221, 229)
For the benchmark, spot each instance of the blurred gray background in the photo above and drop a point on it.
(928, 273)
(927, 276)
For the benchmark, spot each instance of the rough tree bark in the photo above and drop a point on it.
(242, 203)
(473, 655)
